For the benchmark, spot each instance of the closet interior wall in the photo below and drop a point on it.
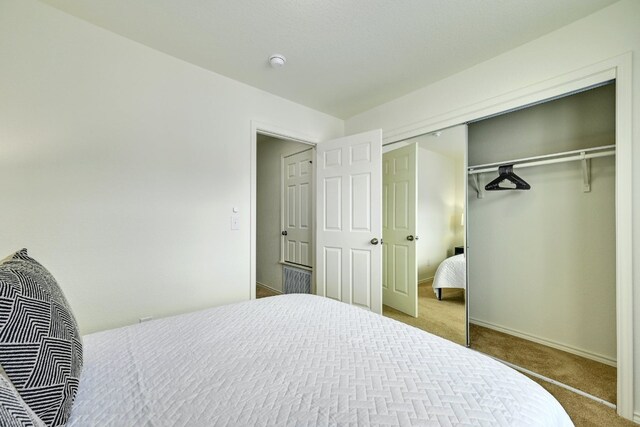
(542, 262)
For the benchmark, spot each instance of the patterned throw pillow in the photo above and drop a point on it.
(40, 346)
(13, 411)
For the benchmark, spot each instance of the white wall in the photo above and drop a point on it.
(121, 166)
(437, 207)
(459, 182)
(269, 225)
(542, 262)
(608, 33)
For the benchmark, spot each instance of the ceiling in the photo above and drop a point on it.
(344, 56)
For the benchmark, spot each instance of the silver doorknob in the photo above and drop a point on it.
(410, 237)
(284, 233)
(374, 241)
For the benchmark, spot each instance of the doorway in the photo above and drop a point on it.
(284, 214)
(346, 215)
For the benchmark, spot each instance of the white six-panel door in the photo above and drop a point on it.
(399, 195)
(349, 220)
(296, 209)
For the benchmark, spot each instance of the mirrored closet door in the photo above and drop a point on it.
(424, 261)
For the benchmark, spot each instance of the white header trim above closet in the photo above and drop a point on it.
(558, 87)
(544, 101)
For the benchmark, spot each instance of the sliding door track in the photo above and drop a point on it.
(552, 381)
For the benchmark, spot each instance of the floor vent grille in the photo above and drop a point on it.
(296, 281)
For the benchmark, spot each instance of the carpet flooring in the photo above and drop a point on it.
(584, 374)
(263, 292)
(584, 411)
(445, 318)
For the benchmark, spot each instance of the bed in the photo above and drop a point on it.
(290, 360)
(297, 360)
(451, 273)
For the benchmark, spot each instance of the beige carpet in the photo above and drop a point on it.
(263, 292)
(584, 411)
(587, 375)
(445, 318)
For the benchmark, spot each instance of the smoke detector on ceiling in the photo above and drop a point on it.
(276, 60)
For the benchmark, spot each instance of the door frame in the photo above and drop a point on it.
(618, 68)
(275, 131)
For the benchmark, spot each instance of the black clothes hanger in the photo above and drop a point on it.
(506, 173)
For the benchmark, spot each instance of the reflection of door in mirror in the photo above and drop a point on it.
(399, 201)
(438, 235)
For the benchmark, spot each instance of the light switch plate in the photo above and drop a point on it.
(235, 222)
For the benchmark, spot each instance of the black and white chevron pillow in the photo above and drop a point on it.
(13, 411)
(40, 346)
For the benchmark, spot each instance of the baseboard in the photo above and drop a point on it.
(636, 417)
(269, 287)
(548, 343)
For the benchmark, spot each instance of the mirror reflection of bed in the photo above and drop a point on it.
(440, 265)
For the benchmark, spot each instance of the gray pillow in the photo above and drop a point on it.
(40, 346)
(13, 411)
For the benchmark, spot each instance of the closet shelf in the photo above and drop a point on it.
(568, 156)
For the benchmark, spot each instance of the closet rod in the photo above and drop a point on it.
(569, 156)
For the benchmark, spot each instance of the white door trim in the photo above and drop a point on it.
(262, 128)
(618, 68)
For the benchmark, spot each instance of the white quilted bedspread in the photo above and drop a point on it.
(451, 273)
(297, 360)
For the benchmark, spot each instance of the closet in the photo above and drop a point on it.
(541, 260)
